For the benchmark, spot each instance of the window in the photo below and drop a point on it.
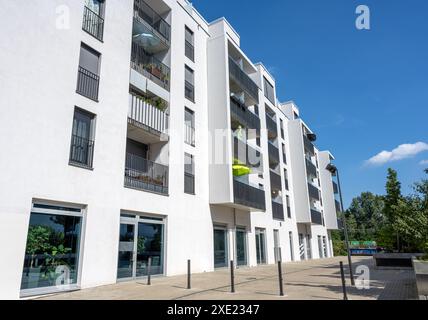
(269, 91)
(189, 124)
(189, 87)
(189, 44)
(52, 251)
(282, 128)
(288, 206)
(82, 139)
(286, 179)
(93, 18)
(284, 153)
(189, 174)
(88, 77)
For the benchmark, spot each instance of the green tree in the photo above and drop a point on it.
(391, 211)
(38, 241)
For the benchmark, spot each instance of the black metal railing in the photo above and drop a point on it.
(335, 188)
(81, 151)
(311, 169)
(249, 196)
(93, 23)
(313, 192)
(189, 183)
(189, 50)
(243, 115)
(273, 152)
(243, 80)
(152, 19)
(309, 146)
(144, 174)
(88, 84)
(316, 217)
(149, 66)
(277, 211)
(271, 125)
(275, 180)
(189, 91)
(245, 154)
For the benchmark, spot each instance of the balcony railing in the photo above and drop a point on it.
(189, 183)
(243, 115)
(189, 135)
(149, 66)
(309, 146)
(311, 169)
(243, 80)
(143, 174)
(275, 180)
(189, 50)
(245, 153)
(144, 115)
(273, 152)
(335, 188)
(93, 23)
(249, 196)
(316, 217)
(88, 84)
(277, 211)
(313, 192)
(81, 151)
(153, 20)
(271, 125)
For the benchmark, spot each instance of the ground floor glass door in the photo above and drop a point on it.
(241, 247)
(125, 266)
(261, 246)
(220, 247)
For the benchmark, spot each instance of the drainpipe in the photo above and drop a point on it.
(234, 237)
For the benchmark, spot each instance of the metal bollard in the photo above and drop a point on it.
(149, 270)
(281, 284)
(232, 277)
(189, 286)
(342, 274)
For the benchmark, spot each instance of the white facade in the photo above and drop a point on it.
(124, 178)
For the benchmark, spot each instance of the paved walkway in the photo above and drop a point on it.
(309, 280)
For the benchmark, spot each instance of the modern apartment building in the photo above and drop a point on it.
(139, 136)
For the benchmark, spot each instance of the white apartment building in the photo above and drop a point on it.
(137, 136)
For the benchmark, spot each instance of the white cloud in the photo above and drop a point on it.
(403, 151)
(423, 162)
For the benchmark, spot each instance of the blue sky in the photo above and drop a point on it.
(363, 92)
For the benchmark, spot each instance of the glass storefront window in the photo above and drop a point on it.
(52, 251)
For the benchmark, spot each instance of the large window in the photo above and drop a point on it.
(269, 91)
(189, 174)
(189, 44)
(82, 141)
(241, 247)
(189, 84)
(52, 250)
(189, 124)
(88, 77)
(93, 18)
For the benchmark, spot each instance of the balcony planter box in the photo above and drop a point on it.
(421, 272)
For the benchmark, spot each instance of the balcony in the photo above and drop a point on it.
(243, 115)
(144, 115)
(93, 23)
(88, 84)
(149, 66)
(273, 153)
(313, 192)
(249, 196)
(81, 152)
(277, 211)
(245, 153)
(151, 22)
(316, 217)
(335, 188)
(243, 81)
(275, 180)
(309, 146)
(143, 174)
(271, 125)
(311, 169)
